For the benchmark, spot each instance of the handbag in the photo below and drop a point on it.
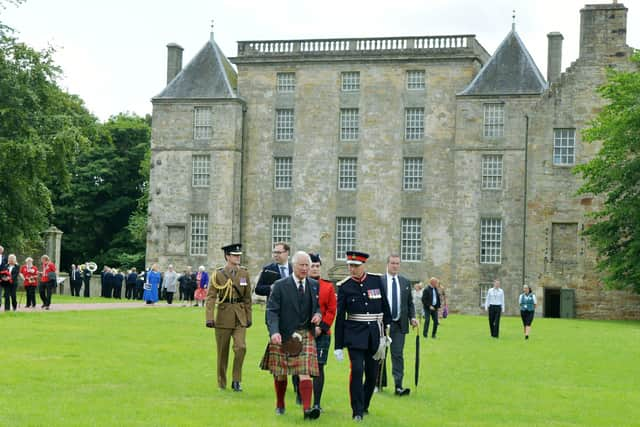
(52, 277)
(445, 312)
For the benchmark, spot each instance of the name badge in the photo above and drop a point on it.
(374, 294)
(243, 281)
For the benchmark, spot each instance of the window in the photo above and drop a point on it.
(347, 173)
(285, 82)
(564, 147)
(493, 120)
(484, 288)
(349, 124)
(490, 240)
(200, 170)
(345, 236)
(199, 234)
(411, 243)
(414, 124)
(282, 174)
(202, 126)
(350, 81)
(491, 172)
(280, 229)
(412, 173)
(284, 125)
(415, 79)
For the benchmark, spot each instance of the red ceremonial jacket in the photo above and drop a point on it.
(46, 269)
(328, 303)
(30, 275)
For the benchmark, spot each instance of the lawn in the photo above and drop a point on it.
(156, 367)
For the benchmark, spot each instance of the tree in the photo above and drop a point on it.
(107, 183)
(42, 128)
(614, 174)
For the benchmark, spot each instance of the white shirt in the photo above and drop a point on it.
(297, 281)
(390, 293)
(284, 268)
(495, 296)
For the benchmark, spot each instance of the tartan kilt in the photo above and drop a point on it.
(305, 363)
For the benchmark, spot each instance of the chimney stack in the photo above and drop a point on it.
(174, 60)
(554, 57)
(603, 31)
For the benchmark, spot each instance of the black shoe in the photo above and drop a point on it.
(319, 408)
(235, 385)
(526, 337)
(433, 336)
(279, 411)
(357, 418)
(402, 391)
(312, 414)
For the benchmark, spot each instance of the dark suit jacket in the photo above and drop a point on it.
(78, 275)
(262, 287)
(427, 298)
(407, 309)
(283, 308)
(14, 274)
(4, 259)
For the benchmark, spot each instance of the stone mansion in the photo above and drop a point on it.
(430, 147)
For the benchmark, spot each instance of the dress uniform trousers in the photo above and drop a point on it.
(223, 339)
(362, 362)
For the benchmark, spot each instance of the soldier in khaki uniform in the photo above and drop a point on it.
(231, 289)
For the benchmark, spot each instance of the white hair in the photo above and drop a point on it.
(201, 268)
(298, 255)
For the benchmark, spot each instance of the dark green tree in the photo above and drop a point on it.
(106, 186)
(614, 174)
(42, 128)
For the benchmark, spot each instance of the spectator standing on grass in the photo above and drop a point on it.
(9, 281)
(170, 283)
(528, 304)
(48, 279)
(118, 278)
(202, 285)
(75, 280)
(494, 304)
(152, 282)
(130, 286)
(3, 261)
(431, 303)
(140, 281)
(29, 274)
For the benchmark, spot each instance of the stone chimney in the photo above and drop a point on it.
(554, 57)
(603, 31)
(174, 60)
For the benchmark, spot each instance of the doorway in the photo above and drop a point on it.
(551, 302)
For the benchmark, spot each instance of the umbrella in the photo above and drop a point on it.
(417, 370)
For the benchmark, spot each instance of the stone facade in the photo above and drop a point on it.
(535, 205)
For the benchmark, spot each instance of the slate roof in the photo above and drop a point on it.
(510, 71)
(208, 75)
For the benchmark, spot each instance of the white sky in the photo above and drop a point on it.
(113, 53)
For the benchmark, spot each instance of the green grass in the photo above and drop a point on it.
(151, 367)
(68, 299)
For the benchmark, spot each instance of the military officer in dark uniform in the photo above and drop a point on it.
(231, 290)
(361, 321)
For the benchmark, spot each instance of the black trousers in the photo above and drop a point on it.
(45, 293)
(10, 296)
(117, 291)
(362, 363)
(170, 297)
(87, 288)
(31, 296)
(397, 356)
(430, 315)
(75, 287)
(494, 319)
(128, 291)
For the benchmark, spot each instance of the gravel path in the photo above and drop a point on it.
(98, 306)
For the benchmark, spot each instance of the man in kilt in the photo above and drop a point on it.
(362, 318)
(292, 314)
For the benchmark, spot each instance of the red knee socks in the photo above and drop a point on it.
(281, 388)
(306, 387)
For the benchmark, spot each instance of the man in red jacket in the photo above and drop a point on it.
(327, 301)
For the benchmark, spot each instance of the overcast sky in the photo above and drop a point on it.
(113, 53)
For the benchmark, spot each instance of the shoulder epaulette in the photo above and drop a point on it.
(374, 274)
(342, 281)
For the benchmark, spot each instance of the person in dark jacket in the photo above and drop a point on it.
(431, 303)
